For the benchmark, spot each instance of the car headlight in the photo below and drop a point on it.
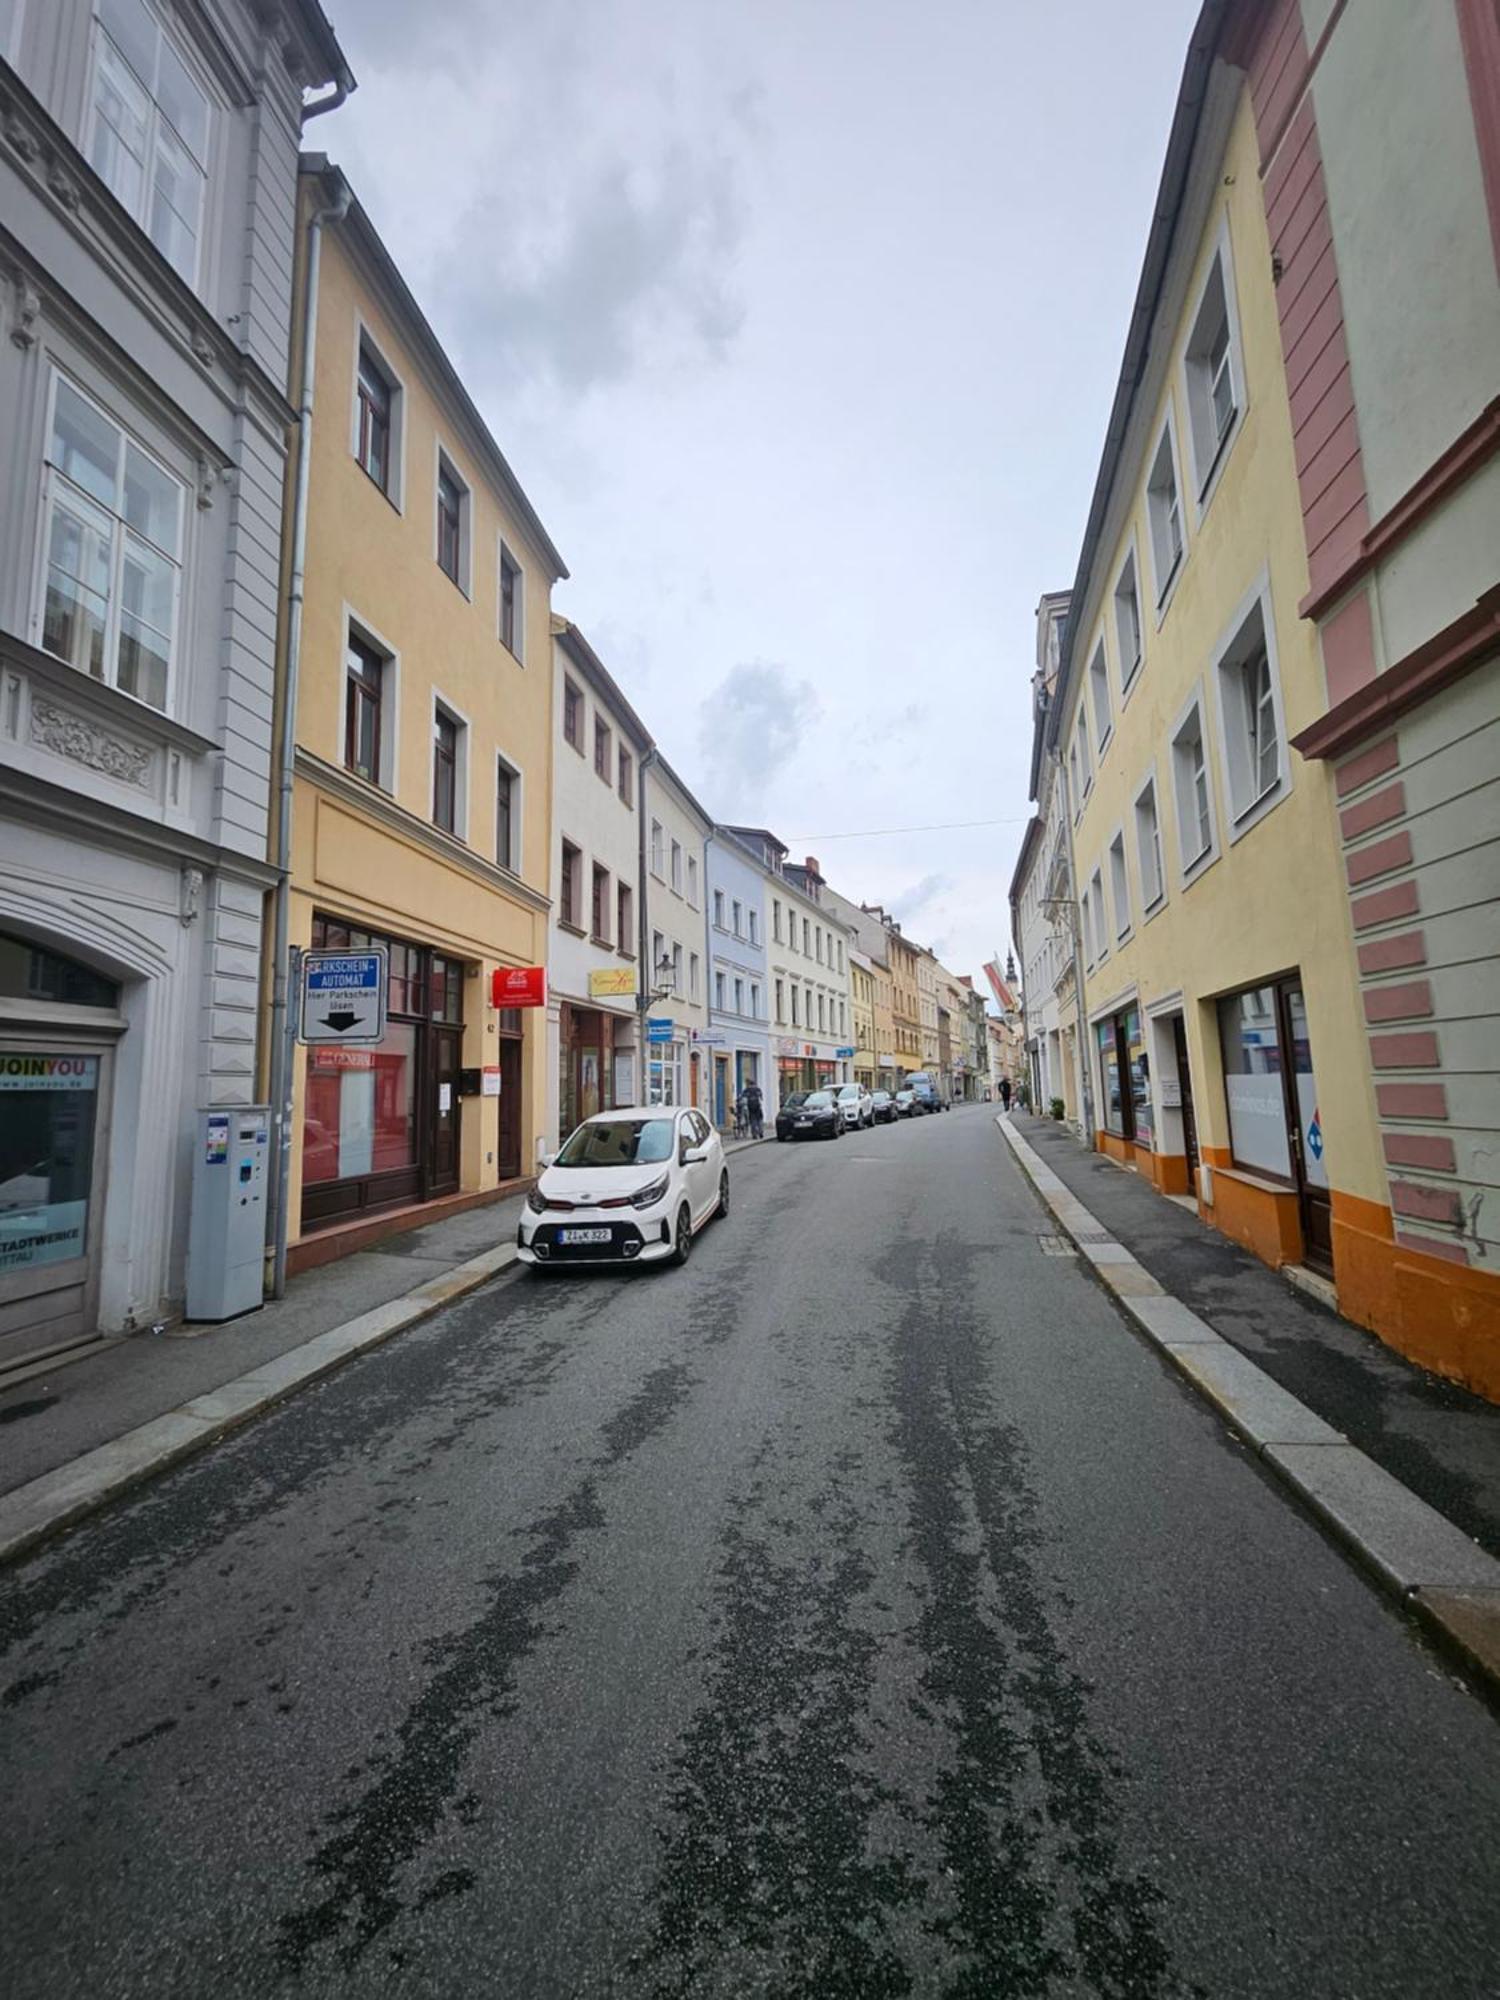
(648, 1197)
(536, 1201)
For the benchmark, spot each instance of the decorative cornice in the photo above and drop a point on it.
(381, 807)
(112, 709)
(1446, 657)
(1471, 449)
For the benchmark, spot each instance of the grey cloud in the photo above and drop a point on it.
(921, 896)
(747, 727)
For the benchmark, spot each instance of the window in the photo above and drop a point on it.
(818, 941)
(1128, 623)
(719, 909)
(571, 885)
(822, 1012)
(625, 920)
(843, 1020)
(1250, 1045)
(776, 924)
(692, 882)
(148, 130)
(719, 991)
(1099, 693)
(507, 815)
(1148, 847)
(599, 909)
(113, 552)
(739, 996)
(1076, 788)
(677, 970)
(841, 955)
(573, 715)
(1124, 1077)
(806, 939)
(447, 731)
(738, 917)
(603, 747)
(1119, 887)
(754, 1001)
(1250, 723)
(658, 953)
(677, 866)
(795, 1022)
(1085, 762)
(375, 400)
(1212, 369)
(1101, 918)
(1195, 821)
(627, 777)
(754, 925)
(780, 1000)
(452, 525)
(512, 604)
(693, 974)
(1086, 927)
(656, 849)
(1164, 512)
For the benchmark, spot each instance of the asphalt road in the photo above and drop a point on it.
(862, 1611)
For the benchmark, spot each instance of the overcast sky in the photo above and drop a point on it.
(799, 320)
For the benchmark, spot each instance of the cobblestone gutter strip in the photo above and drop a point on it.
(1449, 1583)
(44, 1506)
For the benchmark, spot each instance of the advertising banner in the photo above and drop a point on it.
(614, 982)
(518, 986)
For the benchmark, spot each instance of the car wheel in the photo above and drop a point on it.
(682, 1241)
(723, 1208)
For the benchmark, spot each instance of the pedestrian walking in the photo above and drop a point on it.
(1005, 1092)
(755, 1106)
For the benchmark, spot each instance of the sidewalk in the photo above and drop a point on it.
(1440, 1441)
(53, 1418)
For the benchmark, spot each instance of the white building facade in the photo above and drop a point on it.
(147, 222)
(674, 893)
(736, 1042)
(593, 969)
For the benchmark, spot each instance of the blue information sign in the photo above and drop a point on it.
(343, 996)
(659, 1028)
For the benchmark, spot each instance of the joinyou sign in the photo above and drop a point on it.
(343, 996)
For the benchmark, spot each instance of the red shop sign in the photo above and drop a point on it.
(518, 986)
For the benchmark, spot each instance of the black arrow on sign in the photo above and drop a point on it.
(341, 1020)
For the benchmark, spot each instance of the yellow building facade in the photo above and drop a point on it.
(862, 1007)
(1215, 922)
(422, 804)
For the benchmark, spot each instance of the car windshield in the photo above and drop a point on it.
(881, 1097)
(618, 1142)
(849, 1090)
(797, 1097)
(818, 1100)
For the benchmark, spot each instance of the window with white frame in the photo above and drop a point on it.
(1104, 720)
(718, 909)
(1119, 887)
(694, 974)
(1100, 915)
(776, 920)
(1190, 784)
(739, 996)
(377, 419)
(795, 1022)
(657, 849)
(452, 520)
(677, 866)
(1148, 847)
(677, 970)
(148, 129)
(781, 1000)
(449, 759)
(1213, 373)
(754, 923)
(738, 916)
(719, 992)
(112, 552)
(1085, 762)
(1086, 927)
(1077, 789)
(507, 815)
(754, 1001)
(692, 881)
(624, 920)
(512, 605)
(1255, 753)
(1128, 622)
(1164, 514)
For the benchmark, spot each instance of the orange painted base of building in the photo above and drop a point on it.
(1253, 1211)
(1442, 1315)
(1167, 1172)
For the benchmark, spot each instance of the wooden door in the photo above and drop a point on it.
(510, 1108)
(1304, 1126)
(445, 1110)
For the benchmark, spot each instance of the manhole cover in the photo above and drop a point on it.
(1054, 1246)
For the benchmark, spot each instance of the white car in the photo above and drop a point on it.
(855, 1107)
(629, 1187)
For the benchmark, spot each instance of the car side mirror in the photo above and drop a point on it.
(691, 1156)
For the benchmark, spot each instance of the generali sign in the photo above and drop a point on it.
(518, 986)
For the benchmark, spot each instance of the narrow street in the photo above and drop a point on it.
(863, 1610)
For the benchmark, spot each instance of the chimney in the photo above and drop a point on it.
(812, 867)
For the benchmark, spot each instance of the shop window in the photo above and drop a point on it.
(31, 972)
(1125, 1078)
(445, 990)
(112, 534)
(1250, 1050)
(48, 1106)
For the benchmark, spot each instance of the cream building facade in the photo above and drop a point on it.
(674, 914)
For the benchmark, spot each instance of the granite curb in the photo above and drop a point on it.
(1417, 1555)
(57, 1499)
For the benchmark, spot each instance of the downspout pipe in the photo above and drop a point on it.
(646, 979)
(281, 1064)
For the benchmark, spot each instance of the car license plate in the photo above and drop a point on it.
(804, 1121)
(583, 1235)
